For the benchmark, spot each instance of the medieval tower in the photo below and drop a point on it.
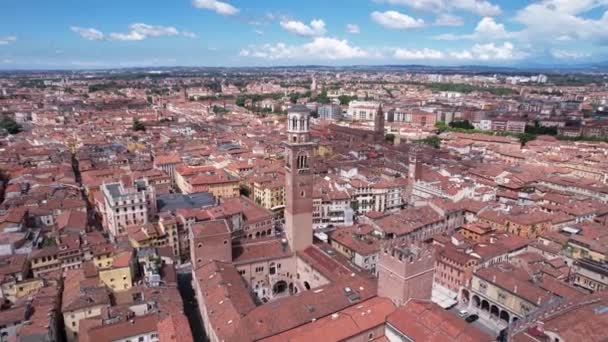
(405, 272)
(379, 126)
(414, 172)
(299, 179)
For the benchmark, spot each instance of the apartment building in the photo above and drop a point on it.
(363, 110)
(127, 206)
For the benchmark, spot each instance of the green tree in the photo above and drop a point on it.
(48, 242)
(441, 126)
(240, 101)
(431, 141)
(462, 124)
(219, 110)
(10, 125)
(524, 138)
(537, 129)
(390, 138)
(345, 99)
(293, 98)
(138, 125)
(354, 206)
(322, 98)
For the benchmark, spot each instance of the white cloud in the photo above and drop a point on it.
(549, 20)
(8, 40)
(486, 29)
(567, 54)
(396, 20)
(88, 33)
(353, 29)
(423, 5)
(316, 27)
(219, 7)
(490, 52)
(325, 48)
(464, 54)
(320, 48)
(480, 7)
(493, 52)
(448, 20)
(189, 34)
(563, 38)
(417, 54)
(140, 31)
(260, 32)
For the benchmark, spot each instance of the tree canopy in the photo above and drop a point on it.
(138, 125)
(10, 125)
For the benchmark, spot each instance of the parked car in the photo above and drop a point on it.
(471, 318)
(462, 313)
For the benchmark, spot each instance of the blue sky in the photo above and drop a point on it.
(112, 33)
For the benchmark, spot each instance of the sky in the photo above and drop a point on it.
(93, 34)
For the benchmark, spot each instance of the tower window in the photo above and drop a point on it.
(302, 162)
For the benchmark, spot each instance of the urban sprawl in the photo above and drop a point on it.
(303, 204)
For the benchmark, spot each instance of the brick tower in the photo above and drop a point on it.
(414, 172)
(298, 176)
(405, 272)
(379, 126)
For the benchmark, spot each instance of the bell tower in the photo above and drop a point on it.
(298, 179)
(379, 126)
(414, 172)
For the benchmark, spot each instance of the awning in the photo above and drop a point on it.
(571, 230)
(443, 296)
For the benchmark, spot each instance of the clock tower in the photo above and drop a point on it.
(298, 179)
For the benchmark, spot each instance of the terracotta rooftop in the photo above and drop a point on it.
(78, 294)
(342, 324)
(426, 321)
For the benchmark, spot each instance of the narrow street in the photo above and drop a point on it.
(93, 221)
(184, 283)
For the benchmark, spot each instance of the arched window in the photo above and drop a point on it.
(302, 127)
(294, 123)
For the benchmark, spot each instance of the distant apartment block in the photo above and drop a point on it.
(363, 110)
(330, 112)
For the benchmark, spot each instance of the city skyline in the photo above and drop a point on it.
(91, 35)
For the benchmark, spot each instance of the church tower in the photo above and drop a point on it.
(298, 179)
(379, 126)
(413, 172)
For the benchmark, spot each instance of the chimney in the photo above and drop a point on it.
(494, 278)
(515, 289)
